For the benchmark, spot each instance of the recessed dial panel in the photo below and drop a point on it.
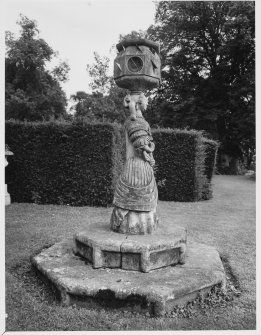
(135, 64)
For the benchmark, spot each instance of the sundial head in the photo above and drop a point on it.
(137, 65)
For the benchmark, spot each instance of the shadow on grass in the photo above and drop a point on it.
(230, 275)
(29, 277)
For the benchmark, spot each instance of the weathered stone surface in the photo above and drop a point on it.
(105, 248)
(155, 292)
(136, 188)
(137, 65)
(137, 68)
(126, 221)
(136, 193)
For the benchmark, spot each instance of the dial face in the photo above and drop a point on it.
(135, 64)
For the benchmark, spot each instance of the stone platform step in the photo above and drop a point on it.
(106, 248)
(155, 292)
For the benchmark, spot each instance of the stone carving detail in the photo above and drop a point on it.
(136, 193)
(137, 68)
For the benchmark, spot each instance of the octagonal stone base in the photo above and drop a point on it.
(155, 292)
(106, 248)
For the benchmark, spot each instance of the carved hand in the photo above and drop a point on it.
(149, 158)
(150, 147)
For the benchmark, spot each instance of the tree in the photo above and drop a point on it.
(208, 69)
(105, 103)
(98, 72)
(32, 92)
(96, 107)
(133, 35)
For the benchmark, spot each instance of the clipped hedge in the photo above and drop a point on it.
(63, 163)
(184, 164)
(78, 163)
(211, 157)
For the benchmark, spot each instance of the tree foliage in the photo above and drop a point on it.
(96, 107)
(133, 35)
(105, 103)
(98, 72)
(208, 69)
(32, 92)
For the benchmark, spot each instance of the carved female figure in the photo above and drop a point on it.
(136, 195)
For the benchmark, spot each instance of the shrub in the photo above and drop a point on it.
(211, 157)
(78, 163)
(211, 148)
(184, 164)
(63, 163)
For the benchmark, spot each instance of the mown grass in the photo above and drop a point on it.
(227, 222)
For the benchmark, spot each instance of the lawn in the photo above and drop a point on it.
(227, 222)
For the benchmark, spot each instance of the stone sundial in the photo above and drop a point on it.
(137, 240)
(134, 259)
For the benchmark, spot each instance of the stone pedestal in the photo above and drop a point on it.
(105, 248)
(156, 292)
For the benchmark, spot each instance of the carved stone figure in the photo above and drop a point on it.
(136, 193)
(134, 240)
(137, 68)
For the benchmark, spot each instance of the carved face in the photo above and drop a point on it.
(127, 100)
(136, 103)
(143, 102)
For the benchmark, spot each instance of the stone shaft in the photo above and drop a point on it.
(136, 194)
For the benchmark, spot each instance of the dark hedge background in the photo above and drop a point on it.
(185, 163)
(63, 163)
(78, 163)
